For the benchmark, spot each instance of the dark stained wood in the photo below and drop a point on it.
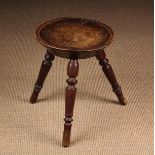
(45, 67)
(74, 37)
(72, 71)
(107, 69)
(71, 54)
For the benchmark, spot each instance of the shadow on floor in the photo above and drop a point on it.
(82, 96)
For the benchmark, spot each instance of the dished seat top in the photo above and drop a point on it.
(74, 34)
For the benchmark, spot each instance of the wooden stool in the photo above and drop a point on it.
(74, 38)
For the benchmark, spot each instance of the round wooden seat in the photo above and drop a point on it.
(74, 37)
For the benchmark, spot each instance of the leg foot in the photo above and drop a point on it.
(108, 71)
(72, 72)
(35, 93)
(45, 67)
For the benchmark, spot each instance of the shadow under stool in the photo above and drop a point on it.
(73, 39)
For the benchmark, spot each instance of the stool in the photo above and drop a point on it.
(73, 39)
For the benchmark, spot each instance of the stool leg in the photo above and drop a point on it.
(107, 69)
(45, 67)
(72, 71)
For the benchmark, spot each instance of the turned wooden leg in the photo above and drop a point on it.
(107, 69)
(45, 67)
(72, 72)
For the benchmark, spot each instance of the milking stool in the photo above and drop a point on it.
(73, 39)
